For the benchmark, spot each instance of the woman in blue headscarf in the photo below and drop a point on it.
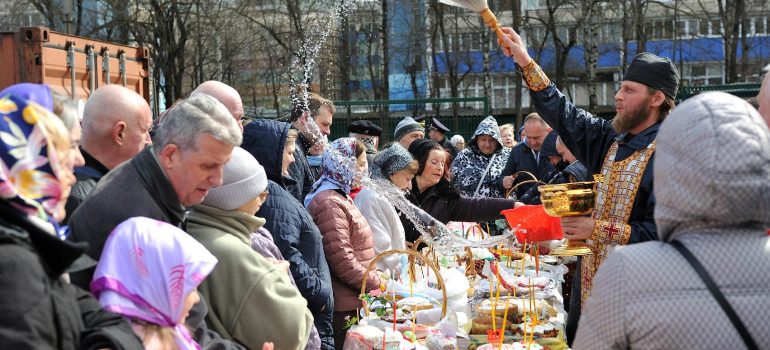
(40, 308)
(347, 237)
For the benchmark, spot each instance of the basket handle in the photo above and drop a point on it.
(508, 194)
(467, 232)
(411, 253)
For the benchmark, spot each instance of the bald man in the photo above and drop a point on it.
(116, 125)
(226, 94)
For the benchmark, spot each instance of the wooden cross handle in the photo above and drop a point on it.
(491, 21)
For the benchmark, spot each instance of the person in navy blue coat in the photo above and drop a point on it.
(293, 230)
(525, 157)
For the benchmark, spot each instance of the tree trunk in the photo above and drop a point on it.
(516, 14)
(385, 74)
(487, 79)
(591, 52)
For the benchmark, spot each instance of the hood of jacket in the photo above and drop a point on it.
(488, 126)
(264, 139)
(712, 166)
(234, 222)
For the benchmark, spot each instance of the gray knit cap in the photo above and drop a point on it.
(390, 161)
(406, 126)
(243, 180)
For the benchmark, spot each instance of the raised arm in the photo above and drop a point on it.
(587, 136)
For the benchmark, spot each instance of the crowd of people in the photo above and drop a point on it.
(202, 231)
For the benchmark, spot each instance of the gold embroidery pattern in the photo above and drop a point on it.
(535, 77)
(614, 202)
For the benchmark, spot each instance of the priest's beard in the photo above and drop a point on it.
(628, 119)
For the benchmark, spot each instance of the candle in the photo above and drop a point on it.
(505, 316)
(414, 318)
(524, 318)
(494, 308)
(395, 312)
(384, 331)
(411, 290)
(395, 309)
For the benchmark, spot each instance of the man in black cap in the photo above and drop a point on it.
(369, 134)
(621, 151)
(438, 133)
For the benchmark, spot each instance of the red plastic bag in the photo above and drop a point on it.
(534, 224)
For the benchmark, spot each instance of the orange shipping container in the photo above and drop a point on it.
(70, 64)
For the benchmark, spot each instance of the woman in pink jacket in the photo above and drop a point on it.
(347, 238)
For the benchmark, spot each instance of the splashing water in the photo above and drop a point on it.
(432, 231)
(306, 60)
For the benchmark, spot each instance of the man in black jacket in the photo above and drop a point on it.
(525, 157)
(369, 134)
(438, 133)
(109, 138)
(313, 121)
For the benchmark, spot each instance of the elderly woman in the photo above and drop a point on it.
(436, 196)
(347, 237)
(41, 309)
(458, 142)
(476, 170)
(225, 224)
(507, 135)
(392, 171)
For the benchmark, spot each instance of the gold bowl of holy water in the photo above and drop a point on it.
(570, 199)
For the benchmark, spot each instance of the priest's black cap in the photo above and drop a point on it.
(654, 71)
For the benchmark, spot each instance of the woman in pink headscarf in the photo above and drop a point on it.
(149, 272)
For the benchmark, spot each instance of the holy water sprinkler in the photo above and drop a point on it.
(482, 8)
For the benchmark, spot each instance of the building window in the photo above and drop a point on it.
(716, 27)
(535, 4)
(704, 74)
(759, 25)
(687, 28)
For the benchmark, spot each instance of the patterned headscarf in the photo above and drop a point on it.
(146, 271)
(38, 93)
(338, 168)
(29, 163)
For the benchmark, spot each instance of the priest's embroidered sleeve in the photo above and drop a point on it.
(611, 232)
(535, 77)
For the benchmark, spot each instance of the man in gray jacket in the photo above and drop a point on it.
(191, 147)
(716, 202)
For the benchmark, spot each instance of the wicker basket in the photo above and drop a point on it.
(413, 254)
